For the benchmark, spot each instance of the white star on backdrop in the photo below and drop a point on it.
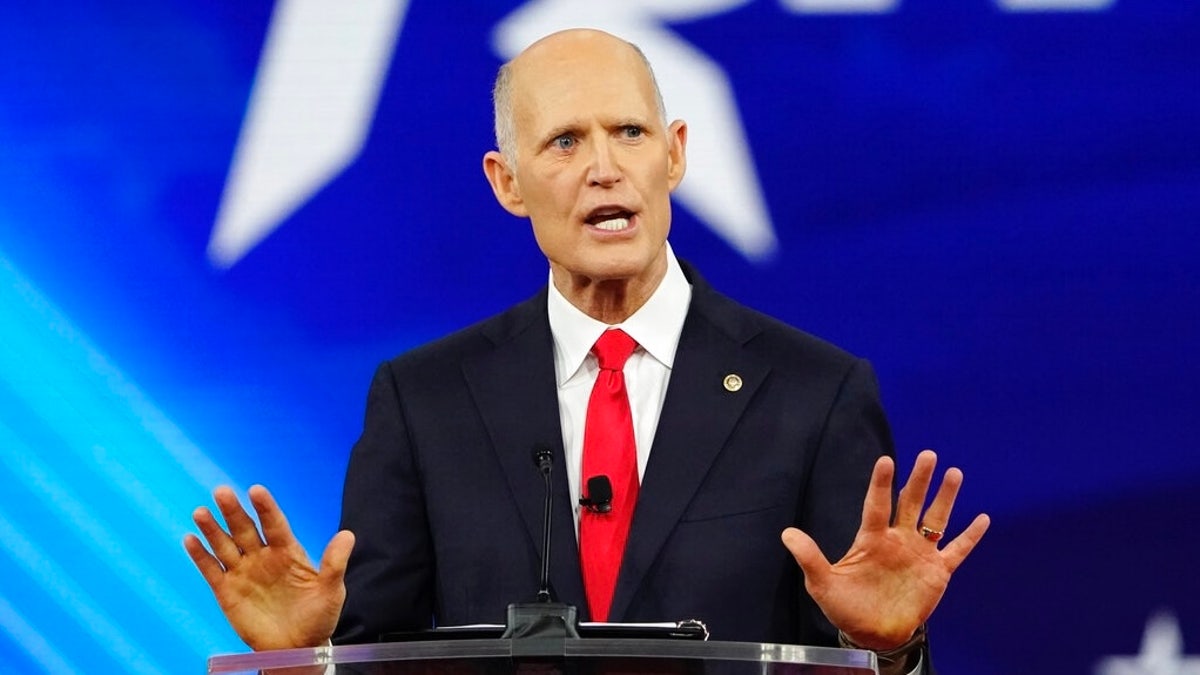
(324, 64)
(1161, 652)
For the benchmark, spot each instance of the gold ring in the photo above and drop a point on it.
(932, 534)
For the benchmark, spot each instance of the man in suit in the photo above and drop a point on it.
(743, 428)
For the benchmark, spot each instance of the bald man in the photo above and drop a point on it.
(760, 450)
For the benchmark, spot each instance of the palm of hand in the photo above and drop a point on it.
(892, 578)
(266, 586)
(280, 598)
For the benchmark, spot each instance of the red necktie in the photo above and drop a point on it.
(608, 450)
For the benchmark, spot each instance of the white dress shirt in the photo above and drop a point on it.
(656, 327)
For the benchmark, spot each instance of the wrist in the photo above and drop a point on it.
(902, 655)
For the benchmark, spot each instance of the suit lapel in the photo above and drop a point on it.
(514, 389)
(697, 417)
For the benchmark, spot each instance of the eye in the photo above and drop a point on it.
(632, 131)
(563, 142)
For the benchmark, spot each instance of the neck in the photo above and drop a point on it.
(610, 301)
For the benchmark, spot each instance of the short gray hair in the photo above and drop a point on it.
(502, 110)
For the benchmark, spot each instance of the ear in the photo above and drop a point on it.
(676, 152)
(504, 184)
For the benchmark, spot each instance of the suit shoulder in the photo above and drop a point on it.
(803, 342)
(773, 338)
(464, 344)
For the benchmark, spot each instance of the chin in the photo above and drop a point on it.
(623, 268)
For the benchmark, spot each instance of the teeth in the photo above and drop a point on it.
(613, 224)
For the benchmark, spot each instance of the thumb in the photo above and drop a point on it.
(336, 556)
(808, 555)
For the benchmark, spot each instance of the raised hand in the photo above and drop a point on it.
(894, 574)
(266, 585)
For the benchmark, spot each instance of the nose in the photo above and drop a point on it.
(603, 170)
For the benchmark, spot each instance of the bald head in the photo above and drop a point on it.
(570, 51)
(587, 156)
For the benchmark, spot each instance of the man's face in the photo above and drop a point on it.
(595, 165)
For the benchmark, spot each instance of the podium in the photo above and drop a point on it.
(571, 656)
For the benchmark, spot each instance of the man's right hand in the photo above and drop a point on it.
(266, 584)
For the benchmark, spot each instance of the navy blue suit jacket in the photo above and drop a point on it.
(446, 503)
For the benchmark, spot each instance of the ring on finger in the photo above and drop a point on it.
(931, 534)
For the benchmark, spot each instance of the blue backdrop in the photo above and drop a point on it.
(217, 218)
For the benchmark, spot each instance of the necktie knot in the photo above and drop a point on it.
(613, 349)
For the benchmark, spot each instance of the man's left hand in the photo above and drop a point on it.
(894, 574)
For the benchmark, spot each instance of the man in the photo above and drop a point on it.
(743, 429)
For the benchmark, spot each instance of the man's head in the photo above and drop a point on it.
(588, 158)
(502, 111)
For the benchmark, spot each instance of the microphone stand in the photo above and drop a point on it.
(535, 627)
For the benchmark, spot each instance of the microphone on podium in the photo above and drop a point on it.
(543, 458)
(543, 618)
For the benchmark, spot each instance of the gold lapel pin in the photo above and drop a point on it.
(733, 382)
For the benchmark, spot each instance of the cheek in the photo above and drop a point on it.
(549, 194)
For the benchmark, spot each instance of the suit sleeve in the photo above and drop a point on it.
(854, 436)
(389, 581)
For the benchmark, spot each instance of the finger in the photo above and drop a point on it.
(337, 556)
(241, 526)
(222, 545)
(957, 551)
(275, 527)
(210, 568)
(808, 556)
(912, 496)
(877, 505)
(938, 514)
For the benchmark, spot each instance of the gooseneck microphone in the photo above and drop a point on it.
(599, 495)
(531, 624)
(543, 458)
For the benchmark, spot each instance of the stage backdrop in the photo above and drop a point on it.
(216, 219)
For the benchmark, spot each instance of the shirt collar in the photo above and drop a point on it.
(656, 326)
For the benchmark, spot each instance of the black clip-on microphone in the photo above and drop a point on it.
(599, 495)
(542, 619)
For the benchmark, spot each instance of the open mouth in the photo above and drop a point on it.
(610, 219)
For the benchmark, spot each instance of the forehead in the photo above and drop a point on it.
(562, 86)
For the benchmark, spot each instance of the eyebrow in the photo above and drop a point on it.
(632, 122)
(568, 128)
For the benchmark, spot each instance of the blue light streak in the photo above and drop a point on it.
(110, 482)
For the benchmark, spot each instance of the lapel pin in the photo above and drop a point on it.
(733, 382)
